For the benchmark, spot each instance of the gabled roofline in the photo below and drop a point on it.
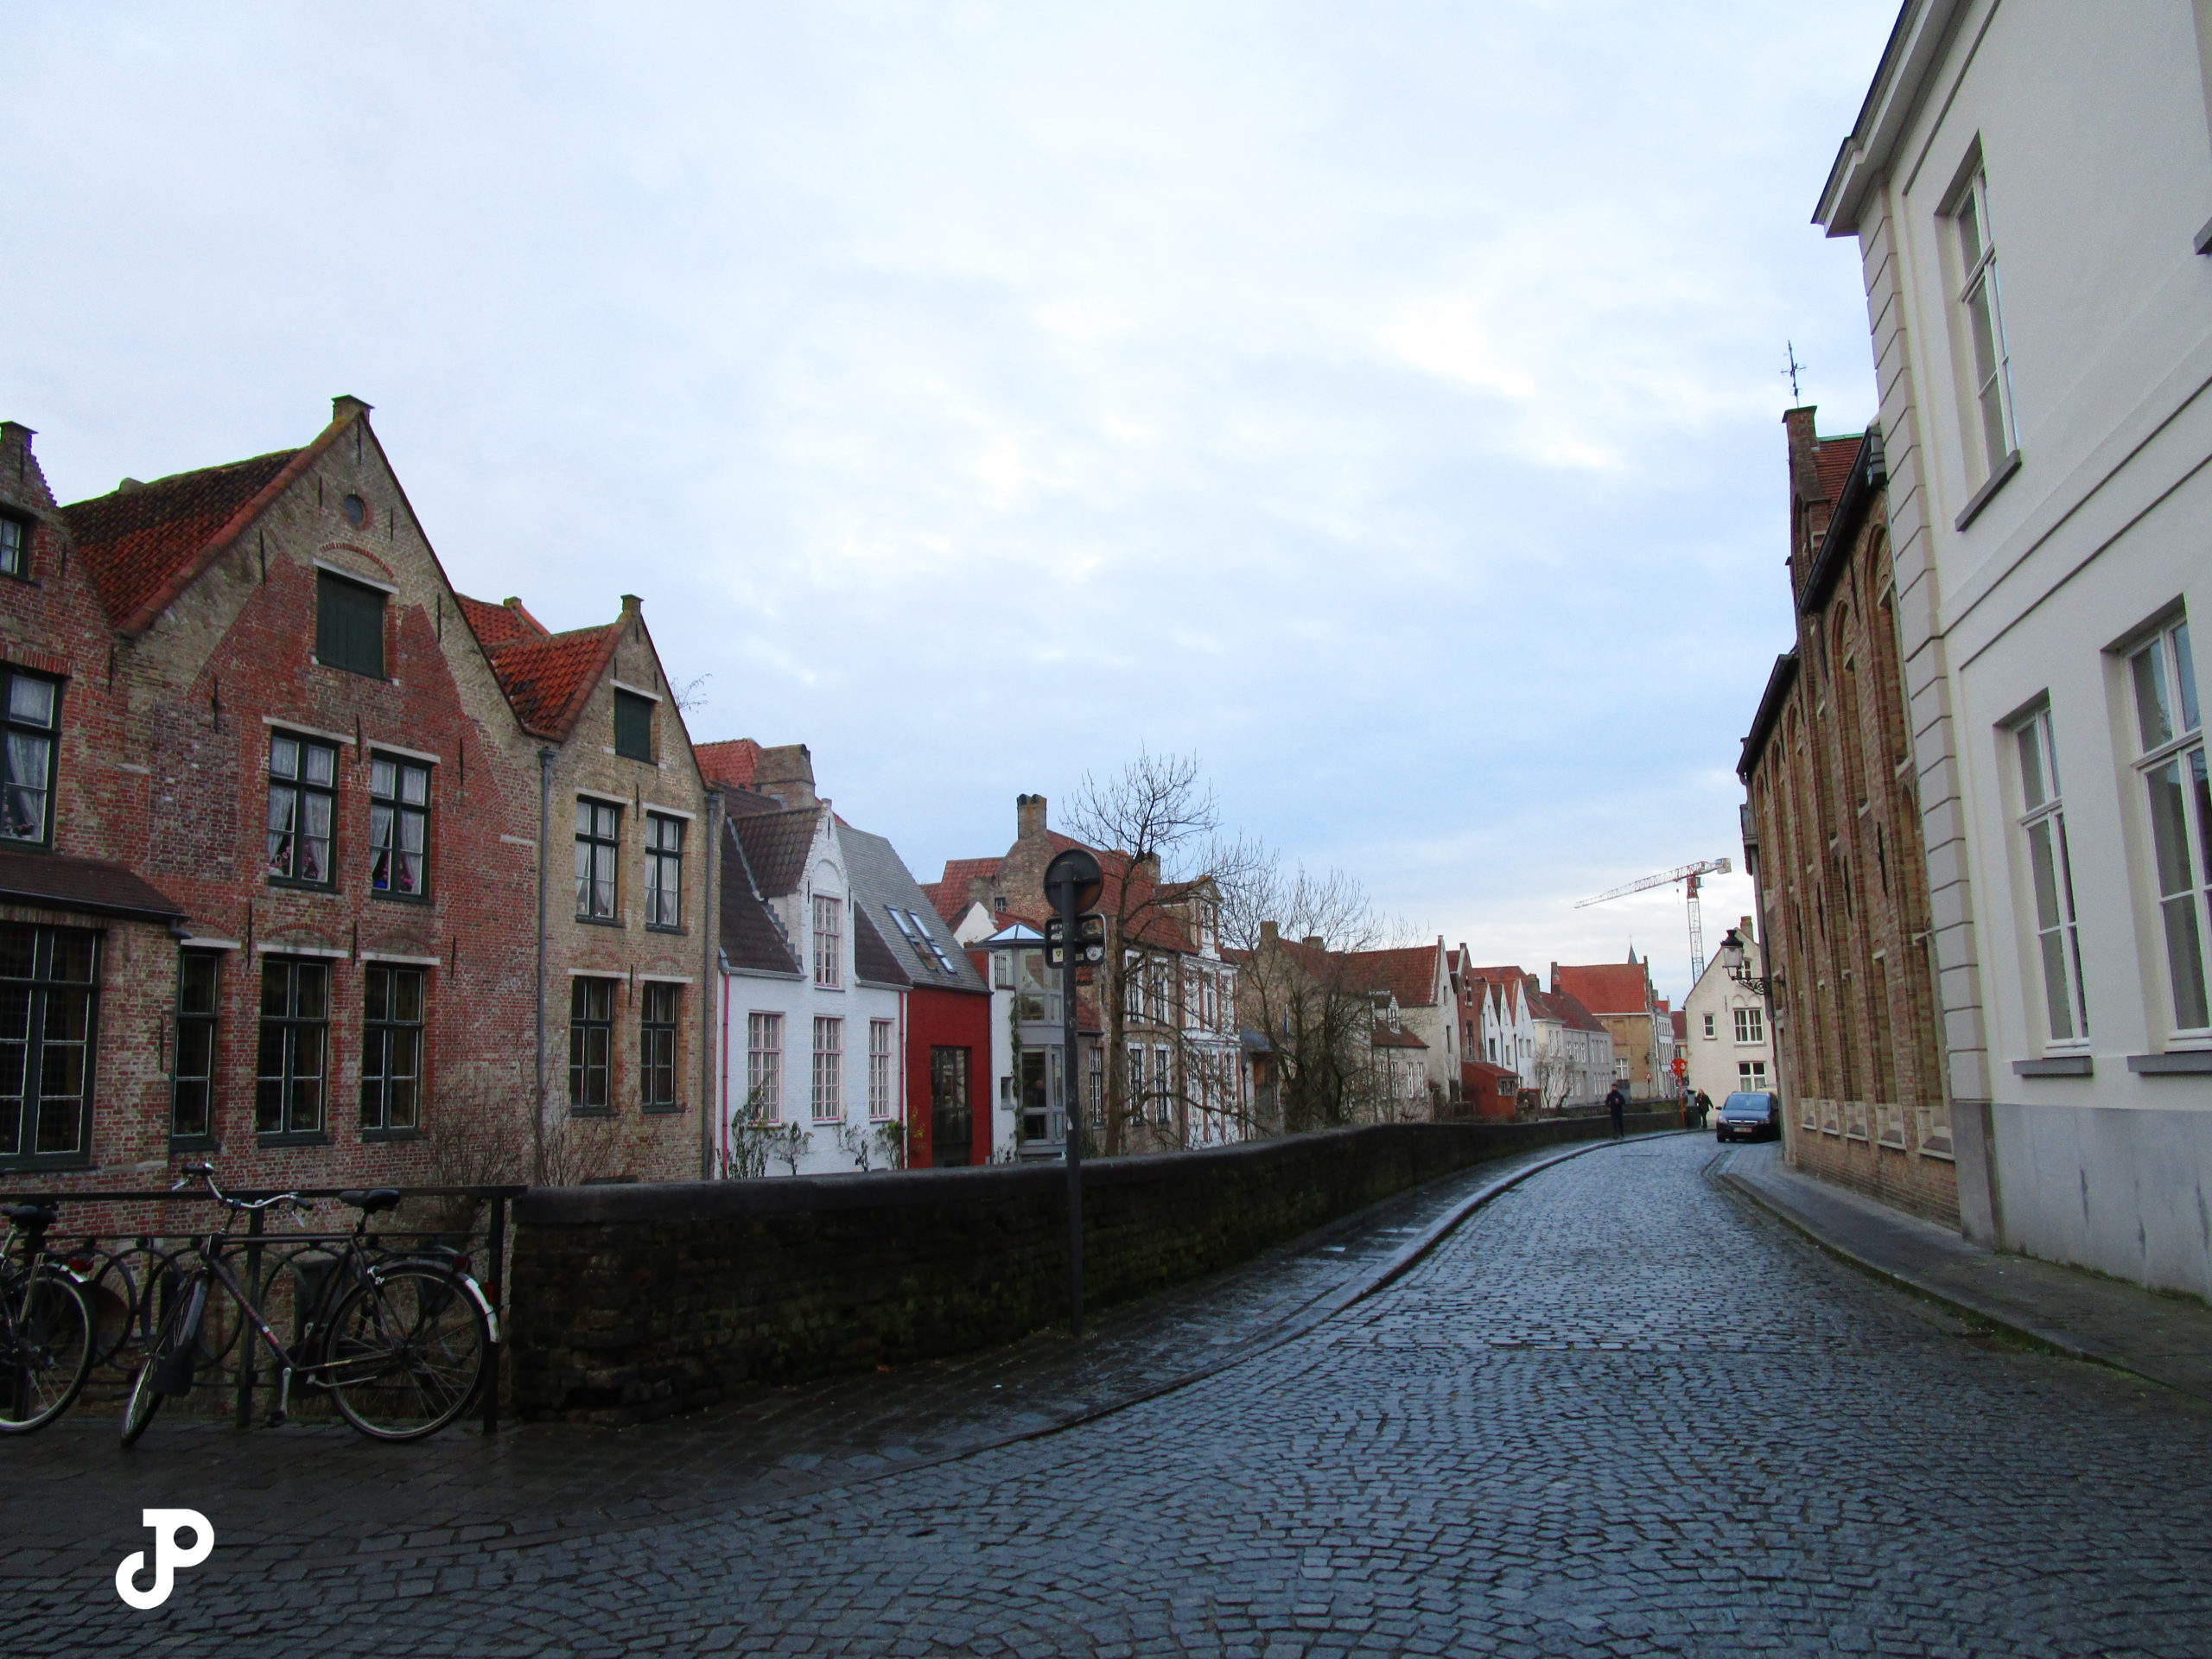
(1915, 44)
(1778, 682)
(1870, 471)
(150, 609)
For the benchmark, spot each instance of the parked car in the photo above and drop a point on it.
(1749, 1116)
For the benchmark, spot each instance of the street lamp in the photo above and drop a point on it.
(1738, 969)
(1073, 884)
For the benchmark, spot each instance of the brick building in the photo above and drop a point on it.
(264, 707)
(621, 1055)
(277, 888)
(1835, 849)
(1619, 996)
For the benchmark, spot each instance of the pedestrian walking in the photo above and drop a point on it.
(1617, 1103)
(1704, 1106)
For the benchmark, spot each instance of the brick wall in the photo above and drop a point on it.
(633, 1302)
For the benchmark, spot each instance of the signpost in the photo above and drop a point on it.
(1072, 885)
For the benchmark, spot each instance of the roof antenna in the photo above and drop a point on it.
(1793, 371)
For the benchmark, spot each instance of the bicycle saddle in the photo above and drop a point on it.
(369, 1200)
(31, 1214)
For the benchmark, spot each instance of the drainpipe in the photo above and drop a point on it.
(709, 988)
(544, 851)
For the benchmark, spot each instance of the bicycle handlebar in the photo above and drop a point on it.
(206, 1172)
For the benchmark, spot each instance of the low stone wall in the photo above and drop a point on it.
(632, 1302)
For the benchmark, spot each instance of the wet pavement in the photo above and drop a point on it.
(1617, 1411)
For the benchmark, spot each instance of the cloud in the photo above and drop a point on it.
(1380, 401)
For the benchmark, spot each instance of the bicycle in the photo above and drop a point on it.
(399, 1340)
(45, 1326)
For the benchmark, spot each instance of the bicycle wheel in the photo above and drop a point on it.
(176, 1332)
(45, 1348)
(406, 1350)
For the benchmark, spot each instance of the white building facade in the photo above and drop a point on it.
(1729, 1043)
(2034, 241)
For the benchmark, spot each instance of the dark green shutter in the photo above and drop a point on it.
(348, 625)
(633, 726)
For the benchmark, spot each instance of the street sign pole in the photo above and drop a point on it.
(1072, 1096)
(1073, 884)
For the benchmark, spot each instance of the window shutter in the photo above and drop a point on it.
(633, 726)
(349, 625)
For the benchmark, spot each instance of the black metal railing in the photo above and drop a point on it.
(131, 1259)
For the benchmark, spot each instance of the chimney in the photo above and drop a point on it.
(1148, 867)
(785, 772)
(1555, 979)
(1028, 817)
(1269, 934)
(22, 483)
(1745, 932)
(1312, 942)
(345, 407)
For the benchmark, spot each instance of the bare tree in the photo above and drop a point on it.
(1156, 826)
(1291, 931)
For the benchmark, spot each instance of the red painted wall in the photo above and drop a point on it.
(937, 1018)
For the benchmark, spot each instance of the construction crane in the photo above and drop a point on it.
(1688, 874)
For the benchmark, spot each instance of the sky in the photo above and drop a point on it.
(1381, 403)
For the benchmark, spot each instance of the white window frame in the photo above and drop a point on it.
(1751, 1025)
(1712, 1028)
(829, 1068)
(2163, 665)
(2048, 863)
(880, 1104)
(828, 913)
(1985, 359)
(764, 1065)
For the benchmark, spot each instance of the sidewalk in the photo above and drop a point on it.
(2167, 1340)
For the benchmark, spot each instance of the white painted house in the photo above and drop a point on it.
(2030, 188)
(1729, 1046)
(812, 1001)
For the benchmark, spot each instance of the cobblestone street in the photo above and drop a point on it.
(1616, 1412)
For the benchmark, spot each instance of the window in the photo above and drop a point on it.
(192, 1075)
(1132, 985)
(881, 1102)
(829, 941)
(303, 787)
(764, 1066)
(1750, 1074)
(49, 997)
(633, 725)
(1984, 324)
(1002, 970)
(2165, 678)
(295, 1047)
(1709, 1032)
(2051, 872)
(348, 625)
(918, 934)
(1161, 1085)
(1135, 1104)
(829, 1069)
(663, 871)
(591, 1044)
(656, 1020)
(1751, 1024)
(599, 842)
(399, 827)
(391, 1047)
(1620, 1071)
(15, 545)
(26, 783)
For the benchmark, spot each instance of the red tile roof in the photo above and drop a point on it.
(1615, 988)
(1409, 973)
(1568, 1007)
(501, 623)
(1386, 1037)
(1832, 462)
(548, 681)
(143, 544)
(736, 761)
